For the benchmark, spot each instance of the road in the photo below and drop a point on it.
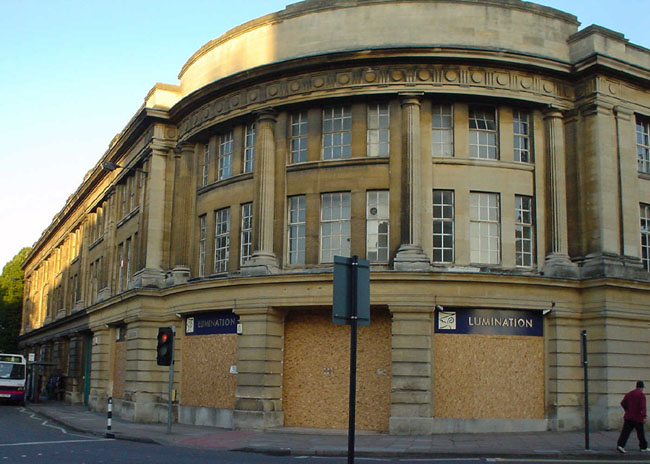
(26, 438)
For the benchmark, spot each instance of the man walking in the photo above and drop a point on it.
(635, 413)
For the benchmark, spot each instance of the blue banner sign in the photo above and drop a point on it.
(216, 322)
(490, 322)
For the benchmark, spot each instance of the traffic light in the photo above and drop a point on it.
(165, 346)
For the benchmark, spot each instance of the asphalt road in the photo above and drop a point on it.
(26, 438)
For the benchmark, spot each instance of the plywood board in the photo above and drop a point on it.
(206, 379)
(316, 371)
(488, 377)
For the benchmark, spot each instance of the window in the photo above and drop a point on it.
(100, 223)
(297, 224)
(299, 137)
(482, 132)
(337, 132)
(524, 230)
(377, 226)
(225, 155)
(645, 236)
(205, 168)
(129, 262)
(246, 232)
(643, 144)
(221, 240)
(442, 130)
(132, 189)
(335, 226)
(443, 226)
(202, 243)
(378, 130)
(249, 148)
(120, 269)
(484, 228)
(521, 133)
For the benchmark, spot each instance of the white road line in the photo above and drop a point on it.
(440, 460)
(30, 443)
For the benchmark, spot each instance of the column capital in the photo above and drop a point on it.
(411, 98)
(553, 112)
(266, 114)
(623, 113)
(186, 148)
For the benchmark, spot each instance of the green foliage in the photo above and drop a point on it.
(11, 302)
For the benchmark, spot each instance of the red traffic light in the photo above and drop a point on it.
(163, 337)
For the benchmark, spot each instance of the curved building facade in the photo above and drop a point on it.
(488, 159)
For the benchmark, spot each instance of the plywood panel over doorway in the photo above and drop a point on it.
(316, 371)
(488, 377)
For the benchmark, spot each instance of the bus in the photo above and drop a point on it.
(13, 370)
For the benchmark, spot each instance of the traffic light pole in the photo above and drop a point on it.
(171, 386)
(353, 364)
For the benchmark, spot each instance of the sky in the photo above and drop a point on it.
(74, 72)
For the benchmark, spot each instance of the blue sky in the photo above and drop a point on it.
(74, 72)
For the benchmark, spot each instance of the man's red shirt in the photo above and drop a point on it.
(634, 405)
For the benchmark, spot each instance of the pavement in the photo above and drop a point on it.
(321, 442)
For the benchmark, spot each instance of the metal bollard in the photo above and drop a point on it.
(109, 418)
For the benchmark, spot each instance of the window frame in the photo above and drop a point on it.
(337, 132)
(643, 144)
(521, 132)
(480, 224)
(522, 225)
(246, 233)
(225, 155)
(343, 225)
(221, 240)
(379, 200)
(250, 135)
(298, 137)
(443, 220)
(484, 134)
(378, 127)
(296, 229)
(644, 216)
(441, 129)
(203, 236)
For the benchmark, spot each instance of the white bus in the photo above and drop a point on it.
(13, 370)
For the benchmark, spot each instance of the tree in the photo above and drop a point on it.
(11, 302)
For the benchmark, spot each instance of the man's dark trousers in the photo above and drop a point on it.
(628, 426)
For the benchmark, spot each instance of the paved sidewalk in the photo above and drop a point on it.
(317, 442)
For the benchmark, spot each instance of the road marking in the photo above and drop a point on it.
(557, 460)
(29, 443)
(441, 459)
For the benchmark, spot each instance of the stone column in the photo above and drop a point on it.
(100, 360)
(153, 275)
(628, 186)
(145, 383)
(410, 256)
(258, 398)
(263, 260)
(557, 263)
(182, 212)
(74, 381)
(412, 378)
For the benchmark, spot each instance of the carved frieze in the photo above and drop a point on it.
(351, 81)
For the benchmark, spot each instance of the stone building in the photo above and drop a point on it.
(492, 163)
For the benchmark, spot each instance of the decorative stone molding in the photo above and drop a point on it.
(364, 80)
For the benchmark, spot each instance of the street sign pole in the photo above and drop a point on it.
(171, 385)
(353, 361)
(586, 384)
(351, 306)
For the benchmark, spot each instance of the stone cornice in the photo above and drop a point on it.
(364, 80)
